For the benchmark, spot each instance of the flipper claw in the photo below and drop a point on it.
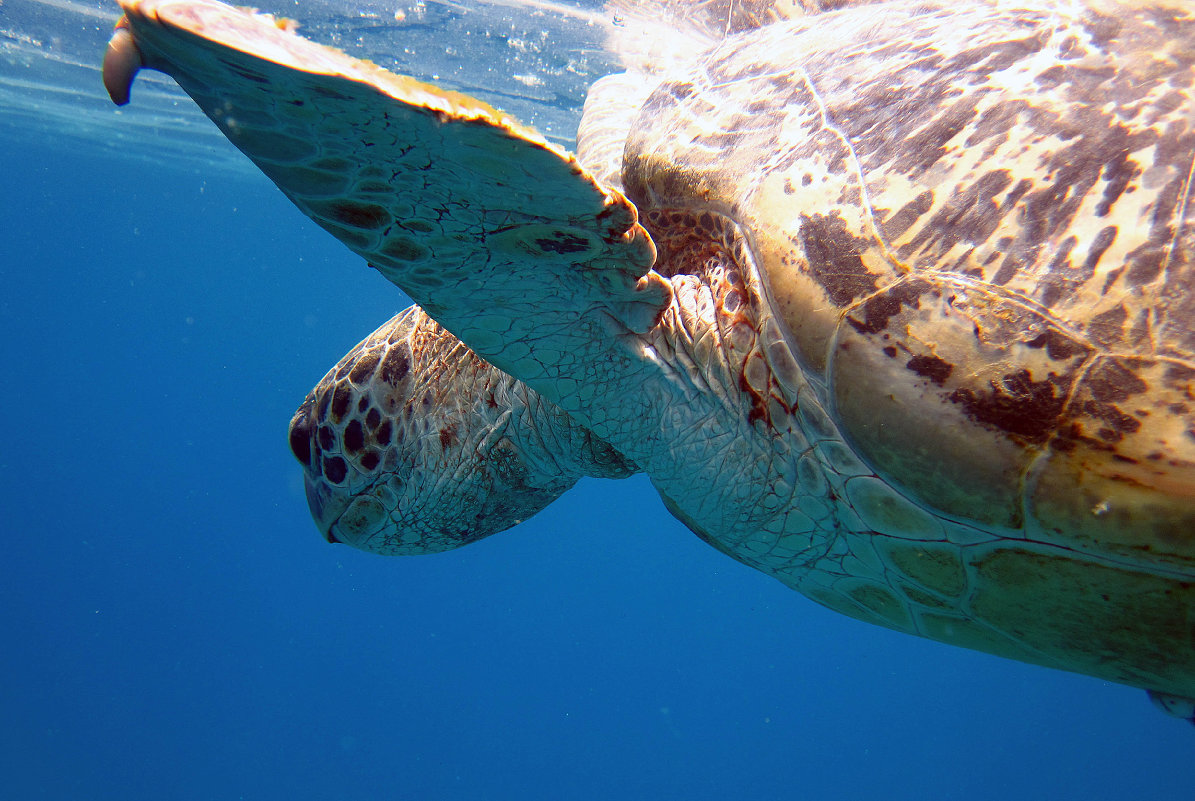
(121, 63)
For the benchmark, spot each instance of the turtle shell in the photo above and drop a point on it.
(974, 223)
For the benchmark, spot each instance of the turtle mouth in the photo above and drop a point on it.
(323, 472)
(343, 516)
(317, 506)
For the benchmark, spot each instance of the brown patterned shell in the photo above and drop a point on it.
(974, 220)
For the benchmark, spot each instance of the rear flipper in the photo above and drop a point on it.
(413, 444)
(1175, 705)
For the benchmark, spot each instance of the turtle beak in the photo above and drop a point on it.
(316, 504)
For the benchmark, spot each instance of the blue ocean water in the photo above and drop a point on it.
(174, 628)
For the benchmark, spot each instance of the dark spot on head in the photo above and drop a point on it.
(364, 367)
(931, 367)
(369, 460)
(326, 438)
(340, 402)
(395, 366)
(335, 469)
(300, 432)
(363, 404)
(373, 419)
(890, 351)
(383, 434)
(325, 397)
(354, 437)
(446, 437)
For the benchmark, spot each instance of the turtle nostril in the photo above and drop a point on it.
(300, 432)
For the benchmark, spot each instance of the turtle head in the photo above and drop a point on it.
(398, 459)
(412, 444)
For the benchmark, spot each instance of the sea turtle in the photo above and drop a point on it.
(892, 302)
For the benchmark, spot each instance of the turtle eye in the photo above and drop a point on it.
(300, 432)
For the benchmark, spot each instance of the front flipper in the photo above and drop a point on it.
(412, 444)
(499, 235)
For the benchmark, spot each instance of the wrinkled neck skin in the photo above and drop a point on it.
(703, 401)
(730, 456)
(720, 435)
